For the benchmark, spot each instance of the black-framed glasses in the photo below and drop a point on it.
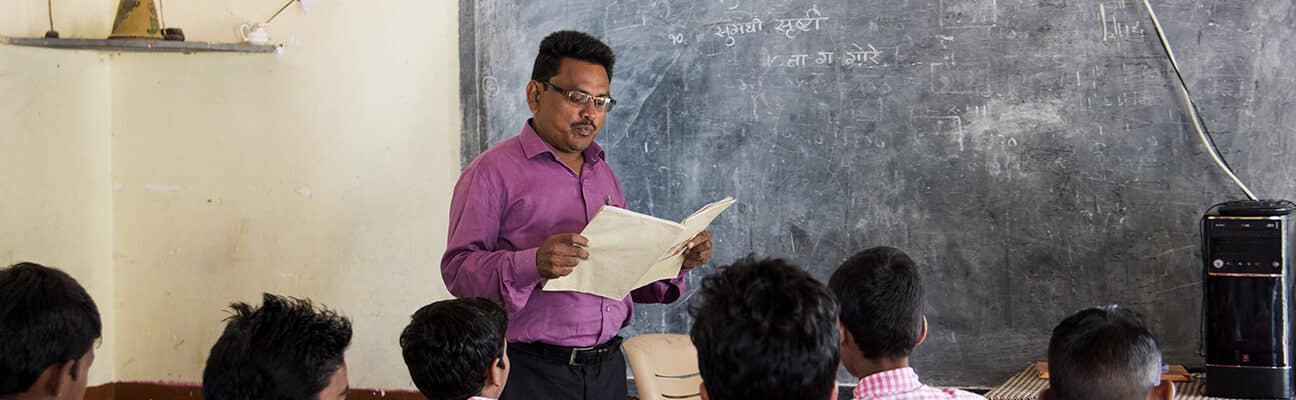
(601, 103)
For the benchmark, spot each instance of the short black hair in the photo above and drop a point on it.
(449, 345)
(765, 329)
(570, 44)
(285, 350)
(46, 318)
(1103, 353)
(881, 297)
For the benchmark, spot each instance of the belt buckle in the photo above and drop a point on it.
(572, 360)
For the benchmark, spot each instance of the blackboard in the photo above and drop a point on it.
(1032, 155)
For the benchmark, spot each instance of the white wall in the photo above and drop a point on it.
(185, 182)
(55, 133)
(324, 172)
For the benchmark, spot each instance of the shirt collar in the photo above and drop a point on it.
(886, 383)
(533, 145)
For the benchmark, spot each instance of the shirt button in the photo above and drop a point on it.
(609, 308)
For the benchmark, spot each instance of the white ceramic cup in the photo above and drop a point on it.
(255, 33)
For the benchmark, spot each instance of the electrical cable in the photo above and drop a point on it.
(1198, 123)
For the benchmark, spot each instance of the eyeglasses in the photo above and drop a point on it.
(601, 103)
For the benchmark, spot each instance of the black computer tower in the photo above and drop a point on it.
(1248, 299)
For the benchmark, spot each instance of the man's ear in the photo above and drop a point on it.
(1045, 394)
(1164, 391)
(702, 390)
(533, 95)
(922, 336)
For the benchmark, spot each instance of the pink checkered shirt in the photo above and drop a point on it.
(903, 384)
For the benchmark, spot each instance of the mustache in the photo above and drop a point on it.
(585, 122)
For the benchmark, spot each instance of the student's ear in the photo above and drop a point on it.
(55, 380)
(922, 336)
(1164, 391)
(702, 390)
(497, 375)
(1045, 394)
(844, 335)
(834, 392)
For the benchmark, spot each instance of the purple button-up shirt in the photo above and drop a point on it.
(507, 202)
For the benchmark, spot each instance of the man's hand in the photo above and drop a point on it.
(560, 253)
(699, 251)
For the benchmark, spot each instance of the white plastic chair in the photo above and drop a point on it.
(664, 366)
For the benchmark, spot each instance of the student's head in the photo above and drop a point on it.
(1104, 353)
(48, 329)
(285, 350)
(881, 298)
(580, 65)
(455, 349)
(765, 330)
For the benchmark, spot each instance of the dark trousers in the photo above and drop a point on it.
(533, 377)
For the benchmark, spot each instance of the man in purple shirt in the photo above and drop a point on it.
(514, 223)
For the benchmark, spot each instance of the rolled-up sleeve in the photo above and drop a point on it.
(474, 265)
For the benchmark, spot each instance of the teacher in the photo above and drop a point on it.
(515, 220)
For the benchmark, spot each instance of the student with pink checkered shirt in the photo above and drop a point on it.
(881, 321)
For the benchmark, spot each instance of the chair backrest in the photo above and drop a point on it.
(664, 366)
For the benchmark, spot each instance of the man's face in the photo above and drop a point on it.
(338, 387)
(567, 127)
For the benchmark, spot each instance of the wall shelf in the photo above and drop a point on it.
(140, 45)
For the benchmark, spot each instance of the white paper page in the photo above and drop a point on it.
(701, 219)
(623, 245)
(668, 265)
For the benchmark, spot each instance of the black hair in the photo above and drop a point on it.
(449, 345)
(765, 329)
(46, 319)
(881, 298)
(284, 350)
(570, 44)
(1103, 353)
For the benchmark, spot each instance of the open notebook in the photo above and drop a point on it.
(629, 250)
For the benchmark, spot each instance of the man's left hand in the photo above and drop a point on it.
(699, 251)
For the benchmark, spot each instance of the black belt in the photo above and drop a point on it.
(572, 355)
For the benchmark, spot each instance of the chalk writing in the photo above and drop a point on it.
(948, 78)
(860, 56)
(791, 27)
(797, 60)
(866, 110)
(729, 30)
(825, 58)
(490, 85)
(801, 60)
(951, 125)
(1229, 86)
(1113, 29)
(676, 38)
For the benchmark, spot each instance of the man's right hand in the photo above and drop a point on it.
(560, 253)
